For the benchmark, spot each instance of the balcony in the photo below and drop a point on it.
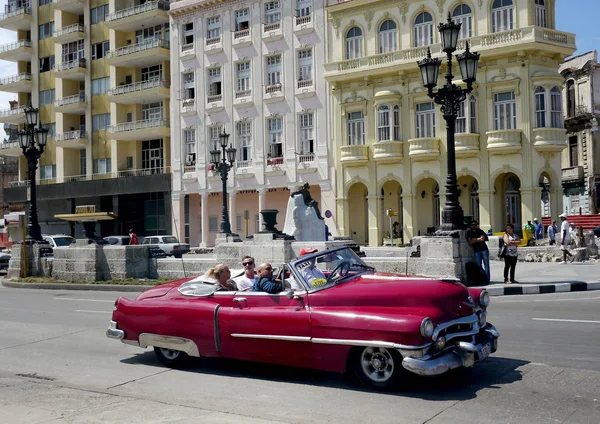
(305, 88)
(69, 34)
(188, 51)
(466, 145)
(275, 167)
(357, 155)
(20, 83)
(75, 105)
(213, 45)
(73, 70)
(303, 25)
(388, 152)
(76, 7)
(572, 174)
(242, 38)
(273, 93)
(16, 51)
(244, 169)
(307, 163)
(73, 139)
(16, 18)
(11, 148)
(147, 129)
(243, 98)
(214, 103)
(272, 32)
(146, 53)
(424, 149)
(504, 142)
(551, 140)
(152, 90)
(502, 43)
(137, 17)
(188, 107)
(13, 116)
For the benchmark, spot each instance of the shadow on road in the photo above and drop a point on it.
(461, 384)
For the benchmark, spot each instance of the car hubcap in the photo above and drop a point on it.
(169, 354)
(377, 364)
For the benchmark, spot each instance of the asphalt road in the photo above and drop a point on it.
(56, 366)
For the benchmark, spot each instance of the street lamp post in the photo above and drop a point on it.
(450, 97)
(33, 141)
(222, 167)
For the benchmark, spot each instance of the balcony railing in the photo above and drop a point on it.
(65, 101)
(188, 102)
(138, 125)
(306, 158)
(275, 88)
(15, 45)
(136, 10)
(240, 164)
(98, 176)
(271, 27)
(574, 173)
(71, 135)
(135, 48)
(23, 76)
(11, 112)
(243, 93)
(138, 86)
(213, 40)
(274, 161)
(241, 34)
(143, 172)
(189, 169)
(305, 83)
(215, 98)
(68, 30)
(12, 12)
(65, 66)
(302, 20)
(187, 47)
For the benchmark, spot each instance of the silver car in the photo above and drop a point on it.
(168, 244)
(59, 240)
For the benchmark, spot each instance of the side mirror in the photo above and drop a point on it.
(289, 294)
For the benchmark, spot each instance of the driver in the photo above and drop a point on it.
(265, 282)
(309, 271)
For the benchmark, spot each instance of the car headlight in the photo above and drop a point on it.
(484, 299)
(427, 328)
(482, 319)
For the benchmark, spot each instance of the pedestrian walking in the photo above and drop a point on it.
(511, 240)
(539, 229)
(133, 238)
(552, 231)
(565, 238)
(477, 238)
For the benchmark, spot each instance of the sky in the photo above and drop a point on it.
(576, 16)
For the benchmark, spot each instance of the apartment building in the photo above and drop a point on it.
(390, 139)
(254, 70)
(99, 72)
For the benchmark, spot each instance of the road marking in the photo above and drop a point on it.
(83, 300)
(93, 312)
(544, 300)
(566, 320)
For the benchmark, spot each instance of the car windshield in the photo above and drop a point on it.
(330, 268)
(169, 240)
(63, 241)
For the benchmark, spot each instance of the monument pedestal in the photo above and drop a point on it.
(38, 264)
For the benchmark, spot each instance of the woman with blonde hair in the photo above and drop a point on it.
(222, 274)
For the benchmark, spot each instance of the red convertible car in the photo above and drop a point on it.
(342, 316)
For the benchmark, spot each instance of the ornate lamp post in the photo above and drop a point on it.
(450, 97)
(33, 140)
(222, 167)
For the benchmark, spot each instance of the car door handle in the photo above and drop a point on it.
(238, 300)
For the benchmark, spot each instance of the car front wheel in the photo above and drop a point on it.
(171, 358)
(378, 367)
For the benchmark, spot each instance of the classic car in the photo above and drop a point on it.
(377, 325)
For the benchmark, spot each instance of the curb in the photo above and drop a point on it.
(512, 290)
(90, 287)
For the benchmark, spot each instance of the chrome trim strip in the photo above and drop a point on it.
(169, 342)
(463, 320)
(272, 337)
(216, 328)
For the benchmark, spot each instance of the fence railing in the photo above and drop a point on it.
(213, 40)
(138, 86)
(11, 12)
(65, 66)
(138, 125)
(23, 76)
(68, 30)
(65, 101)
(269, 89)
(71, 135)
(140, 47)
(15, 45)
(241, 34)
(301, 20)
(136, 10)
(11, 112)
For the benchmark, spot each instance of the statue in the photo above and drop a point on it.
(303, 219)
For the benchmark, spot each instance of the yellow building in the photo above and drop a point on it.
(99, 72)
(389, 137)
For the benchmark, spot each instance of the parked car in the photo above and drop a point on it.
(117, 240)
(4, 259)
(168, 244)
(597, 231)
(380, 326)
(59, 240)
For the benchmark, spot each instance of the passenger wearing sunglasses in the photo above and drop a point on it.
(265, 282)
(246, 281)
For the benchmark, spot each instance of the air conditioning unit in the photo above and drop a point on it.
(190, 159)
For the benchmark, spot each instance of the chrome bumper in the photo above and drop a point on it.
(113, 332)
(464, 354)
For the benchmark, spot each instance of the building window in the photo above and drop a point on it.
(213, 137)
(356, 128)
(571, 98)
(273, 70)
(502, 15)
(354, 42)
(383, 123)
(556, 115)
(189, 138)
(573, 152)
(99, 14)
(541, 13)
(425, 114)
(188, 33)
(82, 162)
(189, 91)
(244, 139)
(303, 8)
(45, 2)
(186, 218)
(243, 87)
(100, 122)
(305, 65)
(46, 63)
(466, 118)
(51, 127)
(102, 166)
(272, 12)
(463, 15)
(540, 107)
(152, 111)
(152, 155)
(242, 20)
(213, 224)
(46, 30)
(73, 51)
(152, 73)
(397, 133)
(306, 133)
(152, 33)
(99, 50)
(423, 30)
(213, 28)
(47, 97)
(214, 82)
(100, 86)
(505, 111)
(275, 131)
(48, 172)
(388, 36)
(129, 162)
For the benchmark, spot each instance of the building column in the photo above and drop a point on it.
(556, 202)
(485, 208)
(373, 220)
(204, 219)
(530, 203)
(177, 215)
(408, 230)
(343, 219)
(232, 211)
(60, 165)
(262, 201)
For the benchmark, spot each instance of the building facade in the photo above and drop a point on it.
(100, 73)
(389, 139)
(581, 160)
(254, 70)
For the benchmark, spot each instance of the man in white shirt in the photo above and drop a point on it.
(246, 281)
(565, 238)
(311, 274)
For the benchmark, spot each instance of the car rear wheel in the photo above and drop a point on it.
(171, 358)
(378, 367)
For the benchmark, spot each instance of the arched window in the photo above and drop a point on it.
(556, 116)
(463, 15)
(354, 42)
(541, 13)
(571, 98)
(540, 107)
(502, 15)
(387, 37)
(423, 30)
(388, 123)
(466, 118)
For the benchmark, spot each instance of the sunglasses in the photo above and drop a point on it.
(247, 263)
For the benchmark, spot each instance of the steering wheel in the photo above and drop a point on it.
(343, 268)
